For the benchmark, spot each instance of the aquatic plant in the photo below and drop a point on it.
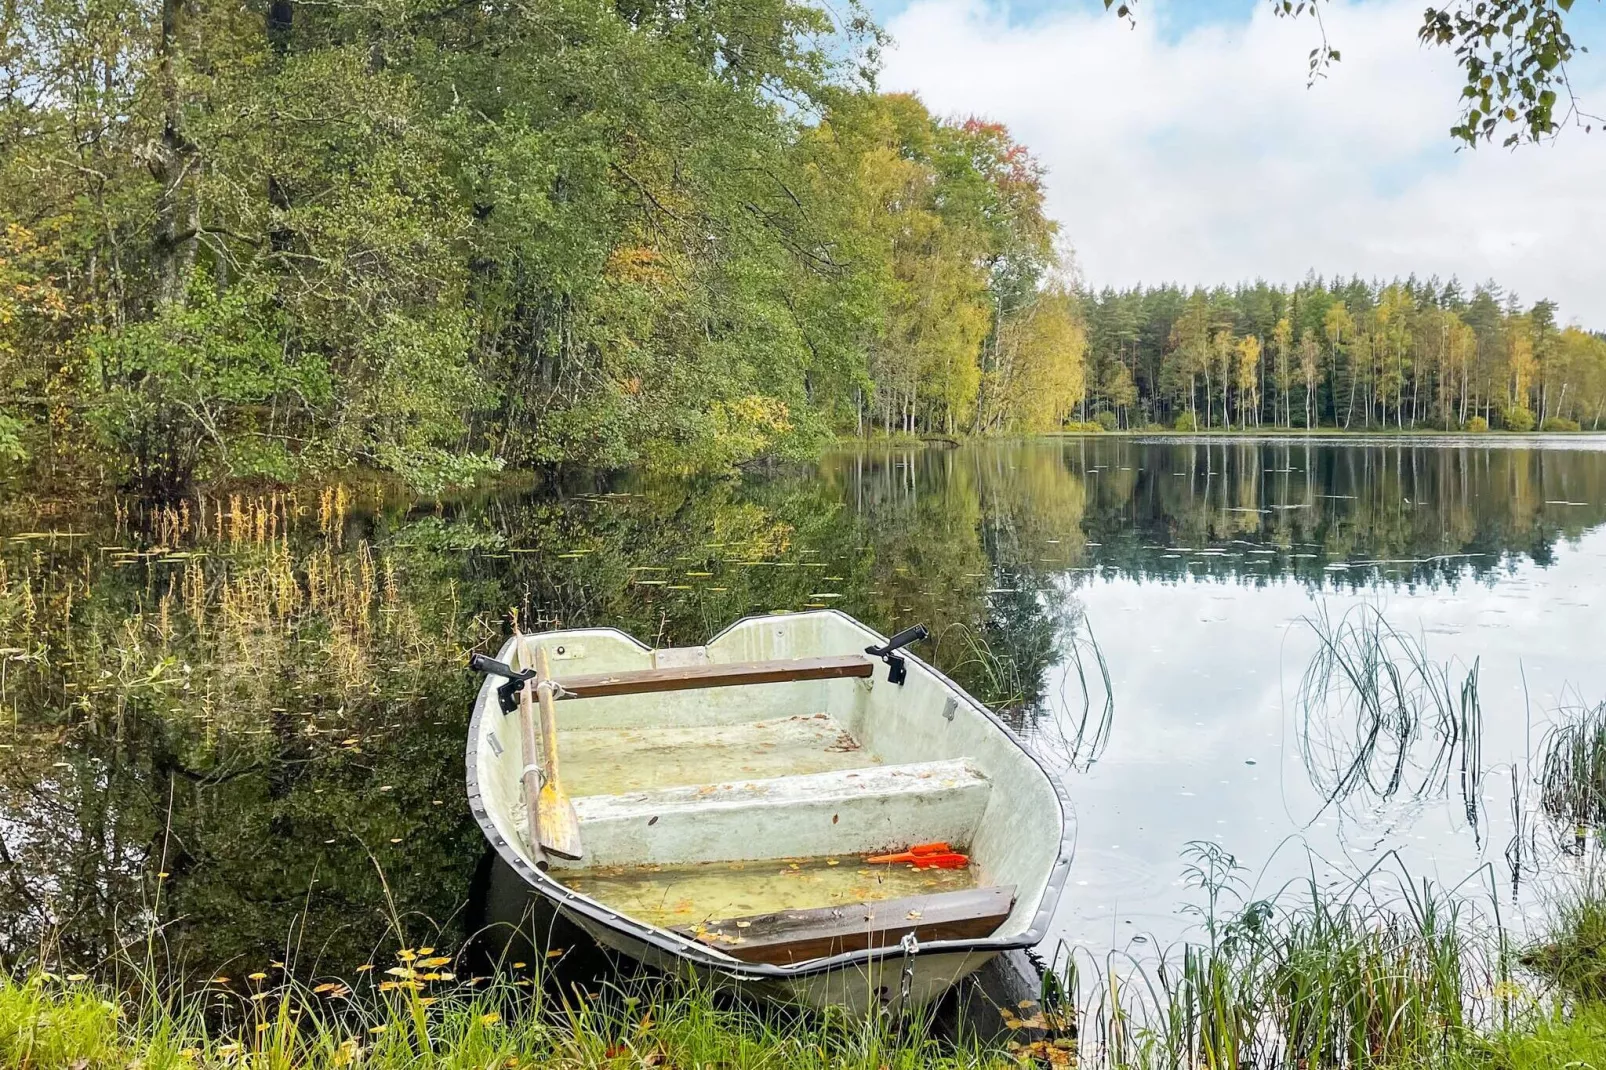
(1572, 777)
(1572, 956)
(1369, 697)
(1377, 973)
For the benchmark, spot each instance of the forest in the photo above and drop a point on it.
(1352, 355)
(270, 240)
(280, 239)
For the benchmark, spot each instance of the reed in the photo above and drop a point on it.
(1572, 777)
(1381, 974)
(1379, 717)
(1572, 956)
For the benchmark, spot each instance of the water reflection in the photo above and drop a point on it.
(242, 718)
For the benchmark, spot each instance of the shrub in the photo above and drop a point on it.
(1082, 427)
(1559, 423)
(1517, 418)
(1187, 422)
(1476, 424)
(1105, 420)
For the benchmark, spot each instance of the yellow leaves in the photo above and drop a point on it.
(438, 960)
(490, 1019)
(402, 971)
(639, 264)
(258, 976)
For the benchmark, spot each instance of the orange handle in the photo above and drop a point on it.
(925, 856)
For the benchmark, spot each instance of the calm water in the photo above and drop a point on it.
(242, 719)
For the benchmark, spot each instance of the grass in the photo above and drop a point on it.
(1380, 716)
(51, 1024)
(1572, 780)
(1306, 980)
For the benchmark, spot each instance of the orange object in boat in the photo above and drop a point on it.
(925, 856)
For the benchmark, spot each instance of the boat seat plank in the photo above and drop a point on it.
(716, 674)
(844, 811)
(790, 936)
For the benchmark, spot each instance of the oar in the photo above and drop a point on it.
(560, 825)
(530, 776)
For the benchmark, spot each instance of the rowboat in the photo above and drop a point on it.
(724, 801)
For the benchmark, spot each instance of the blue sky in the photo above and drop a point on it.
(1190, 149)
(1587, 20)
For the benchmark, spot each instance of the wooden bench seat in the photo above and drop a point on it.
(715, 674)
(839, 812)
(790, 936)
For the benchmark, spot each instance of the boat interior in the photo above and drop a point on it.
(742, 814)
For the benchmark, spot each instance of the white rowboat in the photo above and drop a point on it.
(729, 794)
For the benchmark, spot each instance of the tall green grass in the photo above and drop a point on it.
(1380, 717)
(1572, 778)
(1386, 973)
(51, 1024)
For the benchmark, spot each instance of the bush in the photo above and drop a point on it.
(1082, 427)
(1517, 419)
(1476, 424)
(1105, 420)
(1559, 423)
(1187, 422)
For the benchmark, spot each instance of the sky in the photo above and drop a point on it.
(1188, 148)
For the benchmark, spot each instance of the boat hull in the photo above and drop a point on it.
(1032, 823)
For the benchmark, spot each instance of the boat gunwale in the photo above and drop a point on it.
(670, 942)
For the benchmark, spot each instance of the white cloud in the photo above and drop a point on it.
(1205, 159)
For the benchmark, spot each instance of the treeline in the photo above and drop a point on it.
(286, 237)
(1351, 355)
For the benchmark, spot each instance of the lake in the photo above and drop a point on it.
(237, 723)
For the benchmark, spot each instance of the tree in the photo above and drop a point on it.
(1513, 56)
(1247, 368)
